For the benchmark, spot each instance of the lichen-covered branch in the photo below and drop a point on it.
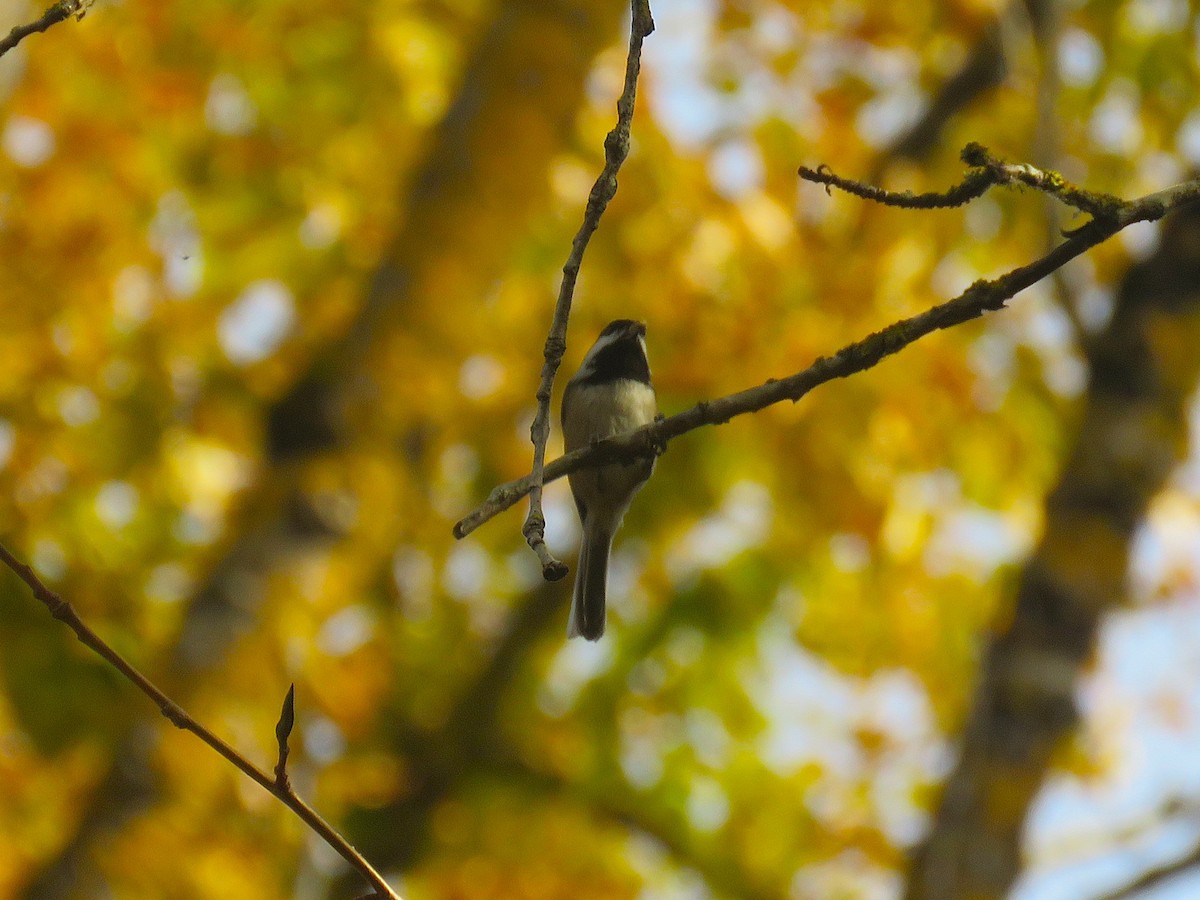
(986, 172)
(981, 297)
(974, 185)
(616, 148)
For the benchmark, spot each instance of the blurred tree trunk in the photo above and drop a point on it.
(482, 179)
(1134, 430)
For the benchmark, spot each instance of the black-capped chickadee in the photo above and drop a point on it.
(610, 394)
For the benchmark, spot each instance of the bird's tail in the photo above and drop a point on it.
(591, 581)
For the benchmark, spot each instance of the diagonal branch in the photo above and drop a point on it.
(981, 297)
(59, 12)
(616, 148)
(278, 787)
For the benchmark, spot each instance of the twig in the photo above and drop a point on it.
(279, 787)
(59, 12)
(974, 185)
(616, 148)
(986, 171)
(981, 297)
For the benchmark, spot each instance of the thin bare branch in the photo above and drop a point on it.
(616, 148)
(59, 12)
(981, 297)
(65, 613)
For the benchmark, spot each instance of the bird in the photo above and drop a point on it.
(610, 394)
